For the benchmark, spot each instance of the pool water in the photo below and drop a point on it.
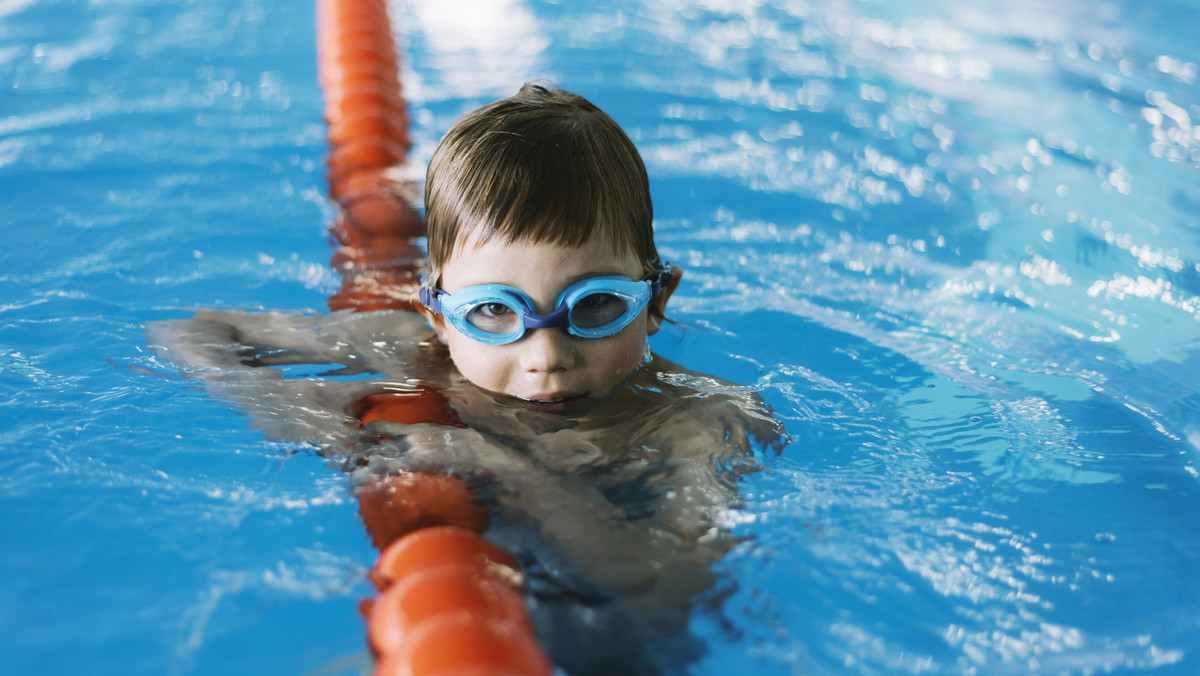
(956, 246)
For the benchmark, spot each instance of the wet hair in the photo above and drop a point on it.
(541, 166)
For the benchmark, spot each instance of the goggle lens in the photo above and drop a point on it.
(592, 308)
(494, 317)
(597, 309)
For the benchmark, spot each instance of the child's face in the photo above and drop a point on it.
(547, 369)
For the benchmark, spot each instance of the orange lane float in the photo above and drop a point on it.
(453, 589)
(395, 506)
(457, 644)
(423, 404)
(368, 141)
(451, 604)
(450, 601)
(429, 547)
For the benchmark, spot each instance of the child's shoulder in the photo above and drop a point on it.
(687, 408)
(689, 386)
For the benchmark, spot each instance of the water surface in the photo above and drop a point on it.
(956, 248)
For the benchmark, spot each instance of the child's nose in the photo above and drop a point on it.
(547, 350)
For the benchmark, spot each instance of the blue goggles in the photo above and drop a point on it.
(498, 314)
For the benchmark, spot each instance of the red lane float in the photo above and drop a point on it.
(457, 644)
(426, 594)
(424, 404)
(368, 140)
(429, 547)
(450, 602)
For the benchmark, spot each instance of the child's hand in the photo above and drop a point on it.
(428, 447)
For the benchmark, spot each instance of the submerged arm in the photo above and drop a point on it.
(594, 537)
(236, 354)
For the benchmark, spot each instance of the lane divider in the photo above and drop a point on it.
(367, 122)
(450, 601)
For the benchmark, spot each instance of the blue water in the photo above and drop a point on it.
(955, 245)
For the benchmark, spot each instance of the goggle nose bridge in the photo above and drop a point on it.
(559, 317)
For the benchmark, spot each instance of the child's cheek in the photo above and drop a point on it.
(471, 360)
(625, 355)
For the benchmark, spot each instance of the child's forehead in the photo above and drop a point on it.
(496, 261)
(474, 245)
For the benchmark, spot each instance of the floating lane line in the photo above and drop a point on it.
(450, 601)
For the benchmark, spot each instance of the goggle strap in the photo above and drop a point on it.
(429, 298)
(660, 280)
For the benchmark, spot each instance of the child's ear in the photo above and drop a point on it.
(436, 321)
(658, 305)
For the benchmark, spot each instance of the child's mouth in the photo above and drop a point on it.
(552, 403)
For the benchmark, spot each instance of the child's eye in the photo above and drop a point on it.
(596, 310)
(494, 318)
(493, 309)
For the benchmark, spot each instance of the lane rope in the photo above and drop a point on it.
(450, 601)
(367, 121)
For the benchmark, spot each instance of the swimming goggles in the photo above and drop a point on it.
(498, 314)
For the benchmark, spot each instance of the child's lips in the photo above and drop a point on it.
(555, 402)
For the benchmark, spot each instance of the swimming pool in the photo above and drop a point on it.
(956, 247)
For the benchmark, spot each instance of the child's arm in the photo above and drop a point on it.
(270, 364)
(583, 527)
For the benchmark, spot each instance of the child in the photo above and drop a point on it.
(608, 465)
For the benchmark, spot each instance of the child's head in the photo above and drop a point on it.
(540, 192)
(543, 165)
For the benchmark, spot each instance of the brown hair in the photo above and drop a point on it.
(543, 165)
